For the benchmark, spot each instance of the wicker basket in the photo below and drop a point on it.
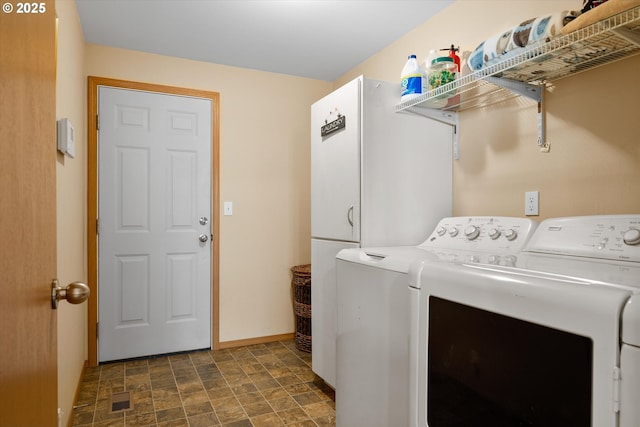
(301, 283)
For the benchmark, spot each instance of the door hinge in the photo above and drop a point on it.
(97, 330)
(97, 226)
(616, 389)
(97, 122)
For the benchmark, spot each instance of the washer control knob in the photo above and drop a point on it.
(494, 233)
(603, 244)
(472, 232)
(441, 231)
(453, 232)
(510, 234)
(631, 236)
(510, 260)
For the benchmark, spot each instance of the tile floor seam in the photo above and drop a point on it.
(259, 391)
(175, 380)
(234, 394)
(270, 405)
(153, 401)
(203, 388)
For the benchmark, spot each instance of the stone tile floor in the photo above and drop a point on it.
(258, 385)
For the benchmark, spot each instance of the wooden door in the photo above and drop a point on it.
(28, 335)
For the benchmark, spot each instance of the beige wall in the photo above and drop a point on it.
(71, 204)
(594, 163)
(264, 171)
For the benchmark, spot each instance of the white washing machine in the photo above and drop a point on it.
(553, 339)
(373, 323)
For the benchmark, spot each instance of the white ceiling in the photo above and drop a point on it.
(318, 39)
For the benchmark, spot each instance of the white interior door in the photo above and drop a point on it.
(154, 211)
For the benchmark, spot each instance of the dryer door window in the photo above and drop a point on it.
(487, 369)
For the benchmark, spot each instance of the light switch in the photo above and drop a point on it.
(228, 208)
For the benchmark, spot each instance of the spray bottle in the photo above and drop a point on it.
(452, 54)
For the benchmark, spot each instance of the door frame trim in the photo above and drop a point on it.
(92, 199)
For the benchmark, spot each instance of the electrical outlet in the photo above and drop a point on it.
(531, 203)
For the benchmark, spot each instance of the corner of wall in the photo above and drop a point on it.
(71, 204)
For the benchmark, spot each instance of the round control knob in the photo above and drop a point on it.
(603, 244)
(494, 233)
(511, 234)
(632, 236)
(472, 232)
(453, 232)
(510, 260)
(441, 231)
(494, 259)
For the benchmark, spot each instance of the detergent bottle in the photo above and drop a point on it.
(413, 79)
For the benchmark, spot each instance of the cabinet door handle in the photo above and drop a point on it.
(350, 216)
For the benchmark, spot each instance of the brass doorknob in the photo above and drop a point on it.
(74, 293)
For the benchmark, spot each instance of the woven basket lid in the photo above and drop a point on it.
(302, 269)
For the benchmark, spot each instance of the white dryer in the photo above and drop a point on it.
(553, 339)
(373, 323)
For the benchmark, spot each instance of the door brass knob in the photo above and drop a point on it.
(74, 293)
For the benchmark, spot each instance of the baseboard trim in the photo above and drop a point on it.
(75, 398)
(258, 340)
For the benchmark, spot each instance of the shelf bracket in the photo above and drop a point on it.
(543, 144)
(448, 117)
(521, 88)
(456, 141)
(534, 92)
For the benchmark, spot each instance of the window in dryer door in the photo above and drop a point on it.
(487, 369)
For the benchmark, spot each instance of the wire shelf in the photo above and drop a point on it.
(601, 43)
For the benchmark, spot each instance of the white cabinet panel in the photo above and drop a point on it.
(324, 306)
(335, 166)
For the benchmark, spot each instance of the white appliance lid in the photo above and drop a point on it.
(393, 258)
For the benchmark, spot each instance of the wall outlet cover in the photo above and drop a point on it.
(531, 206)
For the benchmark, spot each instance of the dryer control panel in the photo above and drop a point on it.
(614, 237)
